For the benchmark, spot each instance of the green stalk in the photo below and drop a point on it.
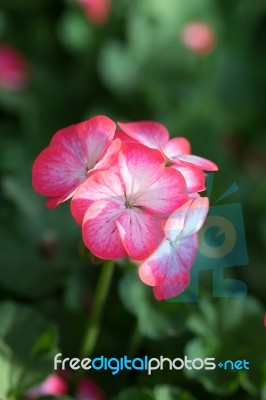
(93, 328)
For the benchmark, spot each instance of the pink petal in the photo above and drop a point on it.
(109, 160)
(103, 185)
(88, 390)
(14, 69)
(56, 172)
(194, 177)
(86, 140)
(167, 194)
(168, 290)
(140, 232)
(54, 385)
(187, 220)
(97, 11)
(190, 160)
(146, 132)
(177, 146)
(124, 137)
(99, 230)
(139, 167)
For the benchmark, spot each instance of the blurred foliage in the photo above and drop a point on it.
(134, 67)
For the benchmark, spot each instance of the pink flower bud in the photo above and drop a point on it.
(97, 11)
(88, 390)
(54, 385)
(13, 69)
(198, 37)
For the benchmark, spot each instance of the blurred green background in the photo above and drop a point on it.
(132, 67)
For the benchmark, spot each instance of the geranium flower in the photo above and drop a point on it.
(176, 151)
(54, 385)
(199, 37)
(167, 269)
(13, 69)
(121, 213)
(88, 390)
(97, 11)
(73, 153)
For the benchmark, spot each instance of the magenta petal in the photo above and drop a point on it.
(177, 146)
(146, 132)
(103, 185)
(195, 161)
(99, 230)
(88, 390)
(167, 194)
(194, 177)
(139, 167)
(140, 232)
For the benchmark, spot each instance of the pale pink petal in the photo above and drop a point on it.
(56, 172)
(194, 177)
(195, 161)
(146, 132)
(187, 220)
(171, 261)
(178, 275)
(86, 140)
(103, 185)
(139, 167)
(54, 385)
(88, 390)
(140, 232)
(154, 269)
(167, 194)
(177, 146)
(99, 230)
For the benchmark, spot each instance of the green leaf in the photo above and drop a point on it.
(27, 347)
(156, 320)
(229, 329)
(161, 392)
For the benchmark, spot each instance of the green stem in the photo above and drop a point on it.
(134, 343)
(93, 328)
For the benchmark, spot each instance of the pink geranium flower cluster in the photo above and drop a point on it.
(134, 192)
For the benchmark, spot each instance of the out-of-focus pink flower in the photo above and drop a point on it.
(121, 213)
(176, 151)
(88, 390)
(199, 37)
(97, 11)
(168, 267)
(54, 385)
(13, 69)
(74, 152)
